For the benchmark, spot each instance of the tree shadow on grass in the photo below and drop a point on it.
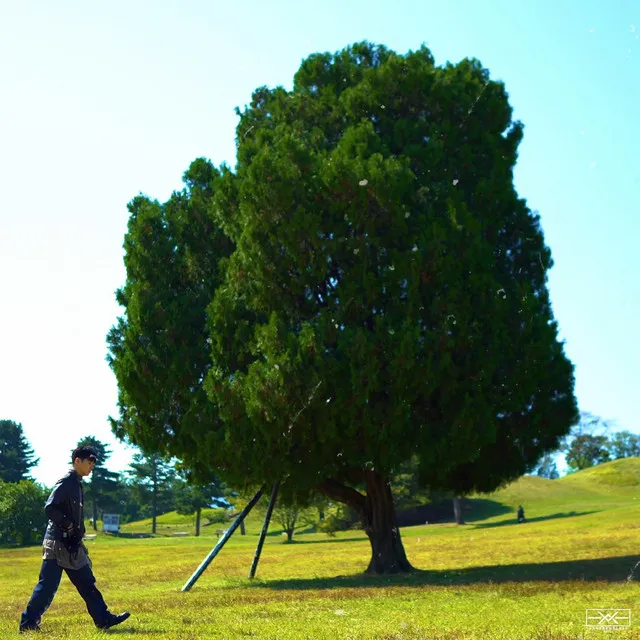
(441, 512)
(330, 540)
(615, 569)
(570, 514)
(475, 509)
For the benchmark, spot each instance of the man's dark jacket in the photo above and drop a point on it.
(65, 507)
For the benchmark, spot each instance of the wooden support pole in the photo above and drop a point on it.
(263, 533)
(214, 552)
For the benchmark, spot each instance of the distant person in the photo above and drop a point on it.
(63, 549)
(520, 514)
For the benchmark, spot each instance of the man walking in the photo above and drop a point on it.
(63, 549)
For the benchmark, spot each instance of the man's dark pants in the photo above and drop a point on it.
(50, 574)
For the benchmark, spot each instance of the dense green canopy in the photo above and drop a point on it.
(365, 285)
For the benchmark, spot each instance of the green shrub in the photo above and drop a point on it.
(215, 516)
(339, 517)
(22, 517)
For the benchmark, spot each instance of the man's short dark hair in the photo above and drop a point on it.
(85, 452)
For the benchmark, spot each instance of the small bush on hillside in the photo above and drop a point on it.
(216, 516)
(339, 517)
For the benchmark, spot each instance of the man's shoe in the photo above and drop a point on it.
(30, 627)
(112, 621)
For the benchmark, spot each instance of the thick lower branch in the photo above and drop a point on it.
(341, 493)
(353, 475)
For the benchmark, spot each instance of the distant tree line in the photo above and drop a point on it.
(591, 442)
(152, 486)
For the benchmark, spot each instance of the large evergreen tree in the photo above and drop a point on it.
(102, 487)
(16, 455)
(370, 287)
(128, 506)
(153, 477)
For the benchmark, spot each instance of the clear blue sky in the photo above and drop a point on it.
(100, 101)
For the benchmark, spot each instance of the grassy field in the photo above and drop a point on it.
(490, 578)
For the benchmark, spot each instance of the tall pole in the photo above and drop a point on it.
(265, 527)
(214, 552)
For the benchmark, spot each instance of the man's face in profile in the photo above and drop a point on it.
(84, 467)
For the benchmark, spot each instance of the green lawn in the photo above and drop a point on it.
(490, 578)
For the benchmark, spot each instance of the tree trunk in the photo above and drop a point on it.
(198, 512)
(320, 514)
(153, 511)
(154, 497)
(291, 527)
(243, 531)
(95, 514)
(457, 510)
(379, 517)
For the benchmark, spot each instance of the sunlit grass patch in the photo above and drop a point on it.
(488, 579)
